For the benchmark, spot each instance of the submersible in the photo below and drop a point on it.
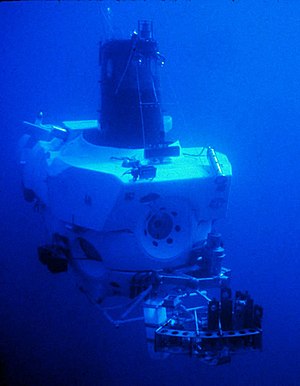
(133, 215)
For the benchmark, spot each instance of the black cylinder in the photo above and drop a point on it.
(213, 315)
(226, 309)
(130, 114)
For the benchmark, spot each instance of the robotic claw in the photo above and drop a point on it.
(180, 317)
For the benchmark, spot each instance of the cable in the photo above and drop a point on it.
(126, 67)
(141, 107)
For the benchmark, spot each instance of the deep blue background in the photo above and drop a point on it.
(235, 68)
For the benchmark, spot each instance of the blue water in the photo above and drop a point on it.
(235, 68)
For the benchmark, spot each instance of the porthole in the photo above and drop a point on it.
(160, 226)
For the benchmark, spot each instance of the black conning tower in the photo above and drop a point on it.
(130, 113)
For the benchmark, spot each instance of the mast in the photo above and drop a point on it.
(131, 115)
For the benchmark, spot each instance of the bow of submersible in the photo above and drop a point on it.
(134, 215)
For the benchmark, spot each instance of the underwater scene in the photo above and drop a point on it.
(149, 193)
